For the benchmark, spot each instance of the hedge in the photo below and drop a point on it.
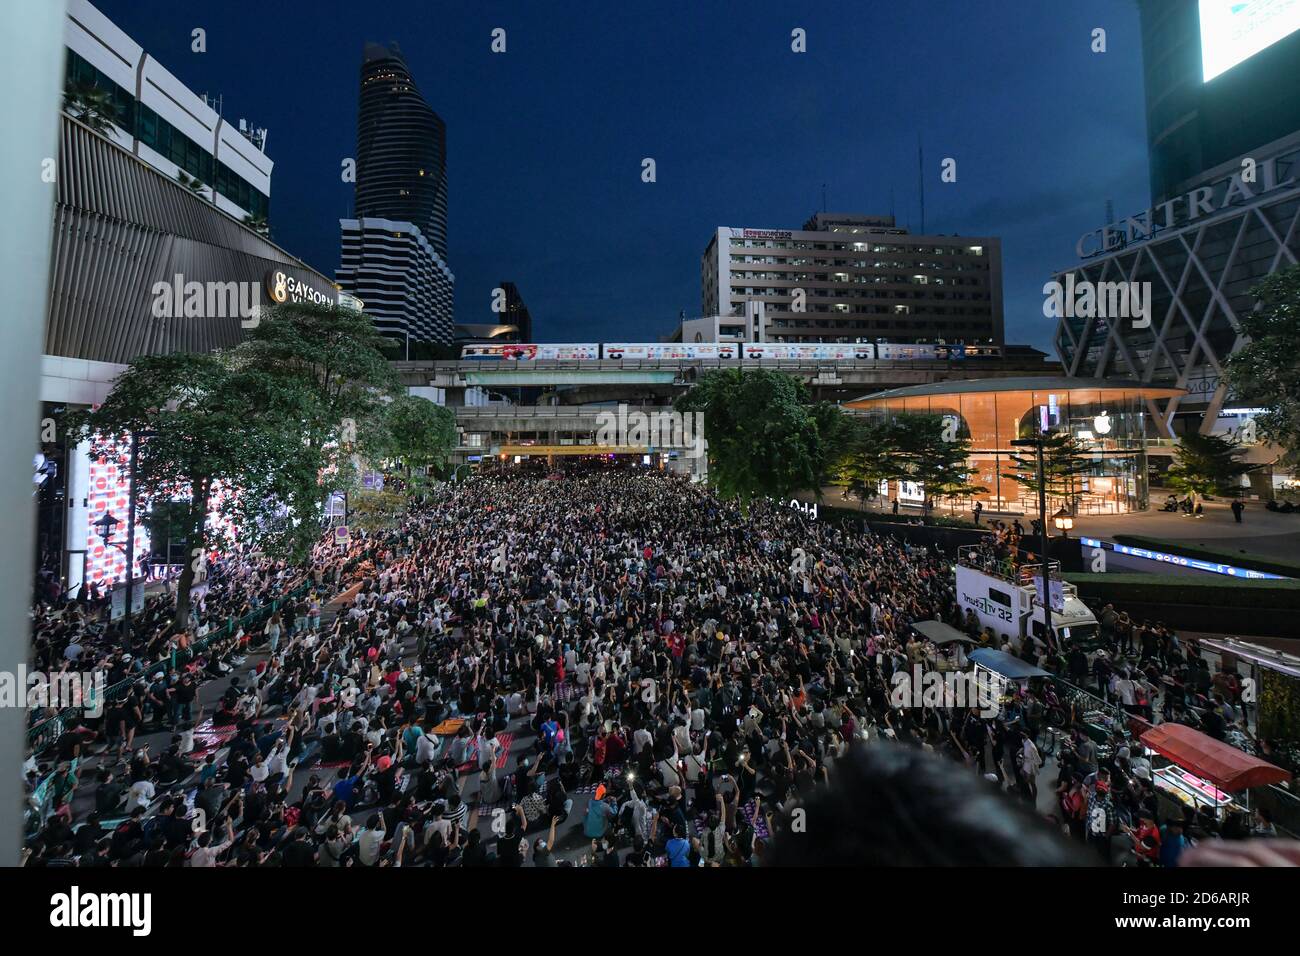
(1241, 559)
(1170, 589)
(885, 517)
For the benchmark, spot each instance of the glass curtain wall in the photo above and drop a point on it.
(1109, 426)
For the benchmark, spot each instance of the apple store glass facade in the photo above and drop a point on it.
(1108, 422)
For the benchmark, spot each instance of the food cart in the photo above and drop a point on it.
(1003, 671)
(1203, 773)
(942, 636)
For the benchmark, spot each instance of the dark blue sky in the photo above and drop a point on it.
(545, 142)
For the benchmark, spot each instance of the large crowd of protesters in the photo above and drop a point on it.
(608, 668)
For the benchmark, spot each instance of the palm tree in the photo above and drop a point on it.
(192, 183)
(91, 105)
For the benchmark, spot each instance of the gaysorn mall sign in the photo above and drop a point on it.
(282, 287)
(1251, 181)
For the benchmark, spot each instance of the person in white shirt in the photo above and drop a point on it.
(1127, 691)
(669, 774)
(695, 765)
(206, 855)
(370, 841)
(682, 738)
(141, 794)
(641, 738)
(259, 771)
(426, 749)
(1031, 762)
(278, 762)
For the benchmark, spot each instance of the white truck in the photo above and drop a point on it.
(1006, 600)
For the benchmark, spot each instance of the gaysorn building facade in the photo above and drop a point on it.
(140, 265)
(160, 244)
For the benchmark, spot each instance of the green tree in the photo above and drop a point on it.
(417, 434)
(765, 439)
(1207, 465)
(332, 357)
(1266, 371)
(90, 105)
(204, 426)
(866, 461)
(835, 432)
(374, 511)
(925, 449)
(1064, 465)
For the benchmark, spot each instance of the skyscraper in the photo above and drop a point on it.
(394, 251)
(516, 313)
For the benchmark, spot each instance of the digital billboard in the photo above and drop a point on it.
(1235, 30)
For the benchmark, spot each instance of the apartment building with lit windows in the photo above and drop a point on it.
(852, 278)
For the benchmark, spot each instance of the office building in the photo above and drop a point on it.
(516, 313)
(159, 120)
(1220, 82)
(406, 286)
(847, 278)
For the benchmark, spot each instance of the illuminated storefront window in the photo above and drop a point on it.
(1108, 420)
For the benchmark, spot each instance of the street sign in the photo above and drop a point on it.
(117, 609)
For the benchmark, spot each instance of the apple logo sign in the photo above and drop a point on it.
(1101, 424)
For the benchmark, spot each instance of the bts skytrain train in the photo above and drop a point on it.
(727, 351)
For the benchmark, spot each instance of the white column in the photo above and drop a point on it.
(31, 78)
(76, 526)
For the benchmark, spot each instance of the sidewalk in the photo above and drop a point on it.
(1261, 532)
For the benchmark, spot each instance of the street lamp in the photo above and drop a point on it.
(1064, 521)
(1046, 593)
(106, 526)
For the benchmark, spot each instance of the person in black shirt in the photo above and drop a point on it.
(109, 794)
(475, 853)
(510, 844)
(236, 771)
(89, 834)
(129, 835)
(299, 851)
